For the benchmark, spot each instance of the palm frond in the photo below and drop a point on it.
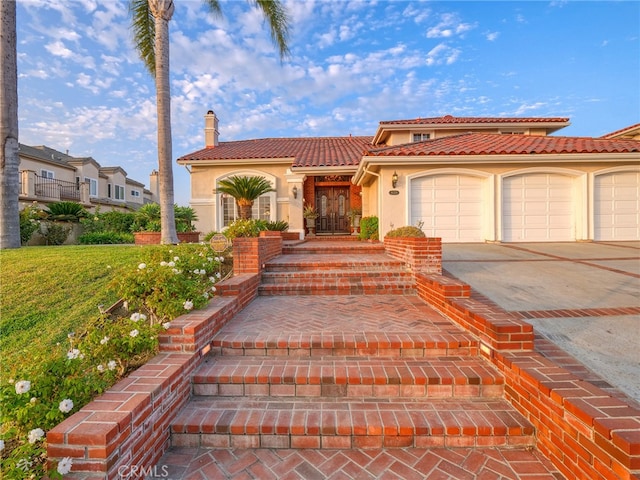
(244, 188)
(144, 33)
(214, 7)
(276, 14)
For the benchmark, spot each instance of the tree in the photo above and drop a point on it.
(150, 19)
(245, 190)
(9, 159)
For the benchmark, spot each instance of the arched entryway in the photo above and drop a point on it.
(333, 197)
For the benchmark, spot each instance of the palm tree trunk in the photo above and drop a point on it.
(9, 159)
(162, 11)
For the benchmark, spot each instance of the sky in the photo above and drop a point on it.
(83, 88)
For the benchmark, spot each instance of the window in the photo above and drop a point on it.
(47, 174)
(119, 192)
(93, 186)
(420, 137)
(261, 209)
(507, 132)
(109, 190)
(135, 193)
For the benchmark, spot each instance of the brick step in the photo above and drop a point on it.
(366, 344)
(326, 276)
(350, 248)
(347, 377)
(338, 286)
(348, 423)
(323, 262)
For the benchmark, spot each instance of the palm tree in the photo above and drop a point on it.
(150, 20)
(9, 159)
(245, 190)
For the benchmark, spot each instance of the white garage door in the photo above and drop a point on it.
(449, 206)
(537, 208)
(617, 206)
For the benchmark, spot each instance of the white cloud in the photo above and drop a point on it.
(449, 26)
(492, 36)
(442, 54)
(417, 14)
(524, 108)
(58, 49)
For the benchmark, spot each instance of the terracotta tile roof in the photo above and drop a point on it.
(449, 119)
(304, 152)
(496, 144)
(629, 129)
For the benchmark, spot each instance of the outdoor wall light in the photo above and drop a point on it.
(394, 179)
(295, 192)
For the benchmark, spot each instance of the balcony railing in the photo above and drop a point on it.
(56, 189)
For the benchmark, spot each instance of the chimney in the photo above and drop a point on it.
(154, 186)
(210, 129)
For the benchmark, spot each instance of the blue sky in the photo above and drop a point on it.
(82, 87)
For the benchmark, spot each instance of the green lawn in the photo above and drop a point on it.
(47, 292)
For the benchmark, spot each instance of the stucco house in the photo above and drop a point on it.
(464, 179)
(48, 175)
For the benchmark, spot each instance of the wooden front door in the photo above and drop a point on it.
(332, 204)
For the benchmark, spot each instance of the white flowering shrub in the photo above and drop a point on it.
(171, 281)
(44, 390)
(43, 393)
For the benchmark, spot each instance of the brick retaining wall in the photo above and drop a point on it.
(419, 254)
(584, 431)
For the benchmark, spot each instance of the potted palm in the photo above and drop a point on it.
(310, 214)
(245, 190)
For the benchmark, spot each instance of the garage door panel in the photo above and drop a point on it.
(446, 209)
(449, 205)
(537, 207)
(469, 195)
(617, 206)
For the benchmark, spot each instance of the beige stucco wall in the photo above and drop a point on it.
(206, 203)
(406, 136)
(393, 210)
(60, 173)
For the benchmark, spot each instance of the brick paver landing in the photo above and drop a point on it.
(392, 464)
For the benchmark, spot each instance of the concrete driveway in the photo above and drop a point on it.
(584, 297)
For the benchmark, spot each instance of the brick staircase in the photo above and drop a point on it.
(331, 268)
(316, 363)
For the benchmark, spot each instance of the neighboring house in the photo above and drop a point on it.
(47, 175)
(464, 179)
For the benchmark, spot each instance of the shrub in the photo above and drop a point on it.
(112, 221)
(185, 216)
(47, 390)
(29, 222)
(105, 238)
(147, 218)
(406, 232)
(54, 233)
(170, 281)
(278, 226)
(369, 228)
(65, 211)
(245, 228)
